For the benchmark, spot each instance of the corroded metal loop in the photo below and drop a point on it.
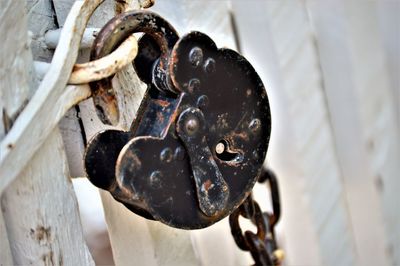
(257, 219)
(248, 209)
(105, 66)
(257, 249)
(111, 36)
(269, 176)
(262, 245)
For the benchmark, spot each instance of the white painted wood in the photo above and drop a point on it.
(52, 38)
(210, 17)
(19, 142)
(389, 33)
(366, 130)
(40, 19)
(41, 214)
(73, 142)
(296, 234)
(5, 251)
(315, 227)
(14, 92)
(28, 134)
(37, 204)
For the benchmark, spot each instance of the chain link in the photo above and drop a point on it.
(262, 244)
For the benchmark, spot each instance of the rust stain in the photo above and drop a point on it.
(41, 234)
(162, 103)
(241, 135)
(48, 259)
(207, 184)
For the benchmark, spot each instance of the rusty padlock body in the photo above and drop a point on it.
(197, 145)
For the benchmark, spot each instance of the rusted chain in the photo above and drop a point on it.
(262, 244)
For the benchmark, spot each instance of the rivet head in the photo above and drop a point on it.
(209, 65)
(255, 125)
(191, 125)
(179, 154)
(202, 101)
(166, 155)
(155, 179)
(196, 56)
(194, 84)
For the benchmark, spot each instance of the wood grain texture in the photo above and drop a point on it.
(51, 90)
(41, 18)
(365, 126)
(15, 84)
(40, 199)
(389, 33)
(315, 227)
(5, 250)
(14, 55)
(48, 230)
(313, 138)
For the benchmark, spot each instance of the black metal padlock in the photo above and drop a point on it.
(197, 145)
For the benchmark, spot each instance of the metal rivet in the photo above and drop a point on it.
(202, 101)
(194, 84)
(166, 155)
(179, 154)
(255, 125)
(209, 65)
(191, 125)
(196, 56)
(155, 179)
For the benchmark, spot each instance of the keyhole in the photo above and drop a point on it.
(224, 153)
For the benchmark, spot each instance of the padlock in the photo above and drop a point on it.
(200, 137)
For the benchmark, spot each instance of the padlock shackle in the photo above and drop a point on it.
(111, 36)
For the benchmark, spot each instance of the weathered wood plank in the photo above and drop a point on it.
(41, 18)
(14, 84)
(389, 33)
(51, 90)
(39, 234)
(365, 126)
(276, 36)
(14, 53)
(5, 251)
